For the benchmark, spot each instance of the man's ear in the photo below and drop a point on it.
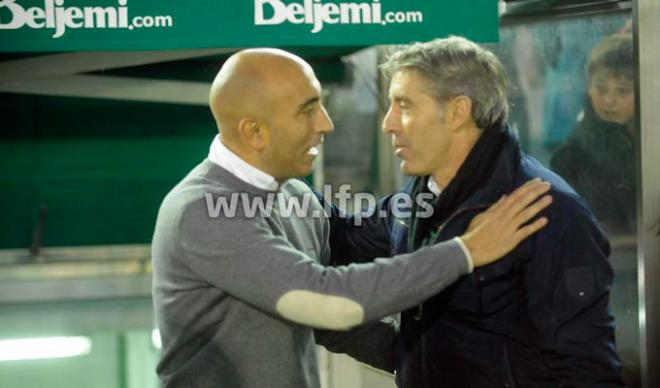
(459, 112)
(253, 133)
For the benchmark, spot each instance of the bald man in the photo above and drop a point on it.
(238, 290)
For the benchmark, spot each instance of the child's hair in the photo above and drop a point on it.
(614, 54)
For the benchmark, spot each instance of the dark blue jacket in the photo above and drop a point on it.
(538, 318)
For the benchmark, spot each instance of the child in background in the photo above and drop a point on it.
(598, 159)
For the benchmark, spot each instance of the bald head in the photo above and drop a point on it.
(250, 84)
(267, 105)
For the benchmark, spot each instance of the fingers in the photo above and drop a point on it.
(497, 205)
(500, 229)
(530, 229)
(531, 211)
(508, 200)
(522, 197)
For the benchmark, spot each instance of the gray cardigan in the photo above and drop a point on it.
(235, 294)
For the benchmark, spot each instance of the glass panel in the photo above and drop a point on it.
(581, 124)
(350, 149)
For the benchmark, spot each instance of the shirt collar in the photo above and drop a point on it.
(433, 186)
(225, 158)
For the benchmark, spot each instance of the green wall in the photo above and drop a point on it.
(100, 167)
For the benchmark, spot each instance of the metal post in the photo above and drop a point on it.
(647, 31)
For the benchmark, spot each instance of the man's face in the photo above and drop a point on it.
(612, 97)
(296, 127)
(416, 121)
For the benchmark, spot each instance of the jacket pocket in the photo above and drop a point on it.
(579, 283)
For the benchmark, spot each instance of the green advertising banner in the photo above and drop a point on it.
(89, 25)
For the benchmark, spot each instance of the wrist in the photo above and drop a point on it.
(468, 254)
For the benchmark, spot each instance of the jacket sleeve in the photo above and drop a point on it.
(568, 287)
(375, 344)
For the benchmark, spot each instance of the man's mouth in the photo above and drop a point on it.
(313, 151)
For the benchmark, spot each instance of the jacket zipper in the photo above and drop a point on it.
(420, 308)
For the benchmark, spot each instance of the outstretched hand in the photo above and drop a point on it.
(498, 230)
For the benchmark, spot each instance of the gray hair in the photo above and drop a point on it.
(458, 67)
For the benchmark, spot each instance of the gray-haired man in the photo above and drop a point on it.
(538, 318)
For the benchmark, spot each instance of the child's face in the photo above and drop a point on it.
(612, 97)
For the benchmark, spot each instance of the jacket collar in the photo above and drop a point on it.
(502, 180)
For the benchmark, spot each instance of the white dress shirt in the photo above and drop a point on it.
(225, 158)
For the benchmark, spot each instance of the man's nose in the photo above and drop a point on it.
(325, 125)
(391, 122)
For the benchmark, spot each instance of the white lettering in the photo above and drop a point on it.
(148, 21)
(278, 8)
(309, 12)
(72, 15)
(101, 17)
(331, 10)
(292, 206)
(375, 12)
(55, 15)
(297, 10)
(60, 20)
(37, 18)
(355, 13)
(164, 21)
(220, 205)
(317, 13)
(253, 204)
(123, 15)
(18, 15)
(365, 204)
(50, 13)
(415, 17)
(423, 201)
